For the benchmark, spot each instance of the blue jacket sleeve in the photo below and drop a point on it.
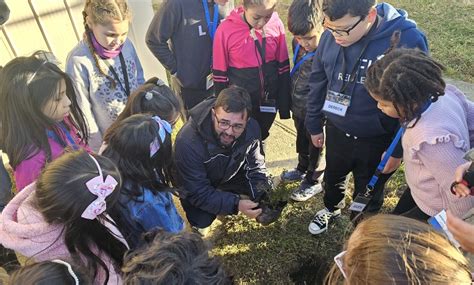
(160, 212)
(256, 171)
(198, 189)
(316, 96)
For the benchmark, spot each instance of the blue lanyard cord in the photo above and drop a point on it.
(387, 155)
(211, 26)
(389, 152)
(301, 61)
(54, 136)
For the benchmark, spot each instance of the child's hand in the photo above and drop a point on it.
(463, 232)
(461, 190)
(318, 140)
(392, 164)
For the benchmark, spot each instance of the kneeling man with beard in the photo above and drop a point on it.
(220, 165)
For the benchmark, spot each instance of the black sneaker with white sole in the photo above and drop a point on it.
(321, 220)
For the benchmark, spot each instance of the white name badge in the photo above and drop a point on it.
(438, 222)
(268, 109)
(336, 103)
(209, 81)
(268, 106)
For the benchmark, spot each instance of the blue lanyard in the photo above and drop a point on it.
(387, 155)
(301, 61)
(54, 136)
(211, 26)
(389, 152)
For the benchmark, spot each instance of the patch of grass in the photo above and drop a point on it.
(449, 28)
(283, 252)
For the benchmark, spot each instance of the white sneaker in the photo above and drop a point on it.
(306, 191)
(321, 220)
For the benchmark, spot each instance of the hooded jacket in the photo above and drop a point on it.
(24, 230)
(203, 166)
(300, 84)
(237, 61)
(29, 169)
(363, 118)
(183, 24)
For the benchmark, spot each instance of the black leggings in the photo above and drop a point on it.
(407, 207)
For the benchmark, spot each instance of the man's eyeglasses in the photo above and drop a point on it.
(342, 32)
(225, 125)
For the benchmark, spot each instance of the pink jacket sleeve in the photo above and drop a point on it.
(28, 170)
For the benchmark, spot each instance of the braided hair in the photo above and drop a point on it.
(103, 12)
(409, 78)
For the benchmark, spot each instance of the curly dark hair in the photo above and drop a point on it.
(409, 78)
(173, 259)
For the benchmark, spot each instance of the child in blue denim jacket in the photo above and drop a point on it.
(140, 145)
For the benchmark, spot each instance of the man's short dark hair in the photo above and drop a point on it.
(234, 100)
(304, 16)
(336, 9)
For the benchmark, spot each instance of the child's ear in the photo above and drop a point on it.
(89, 21)
(372, 14)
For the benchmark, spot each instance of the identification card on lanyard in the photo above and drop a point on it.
(266, 105)
(337, 103)
(125, 88)
(209, 81)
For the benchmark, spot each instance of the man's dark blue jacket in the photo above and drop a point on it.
(204, 167)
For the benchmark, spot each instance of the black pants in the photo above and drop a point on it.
(5, 186)
(265, 121)
(308, 154)
(238, 185)
(191, 97)
(361, 156)
(8, 258)
(407, 207)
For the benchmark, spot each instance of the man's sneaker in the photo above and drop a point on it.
(292, 175)
(306, 191)
(321, 220)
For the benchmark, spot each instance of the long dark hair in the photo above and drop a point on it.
(26, 85)
(409, 78)
(129, 147)
(62, 196)
(154, 98)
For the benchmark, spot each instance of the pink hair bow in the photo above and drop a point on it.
(101, 188)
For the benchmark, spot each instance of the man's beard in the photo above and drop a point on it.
(220, 139)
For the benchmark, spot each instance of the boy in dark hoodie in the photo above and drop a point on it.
(357, 132)
(180, 37)
(304, 22)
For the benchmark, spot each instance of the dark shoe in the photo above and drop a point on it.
(270, 213)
